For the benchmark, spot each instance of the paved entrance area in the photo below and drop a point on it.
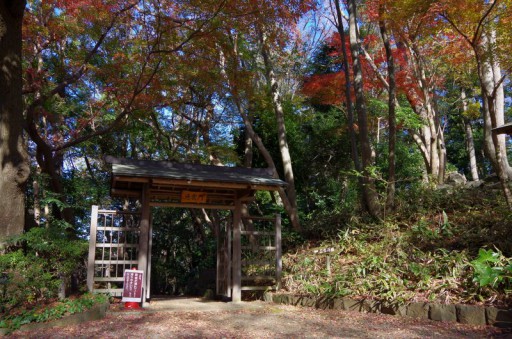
(191, 304)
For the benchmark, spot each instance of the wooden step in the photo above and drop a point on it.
(258, 288)
(257, 278)
(258, 233)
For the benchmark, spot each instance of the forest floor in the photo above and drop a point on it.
(258, 320)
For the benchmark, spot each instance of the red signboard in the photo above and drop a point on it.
(132, 287)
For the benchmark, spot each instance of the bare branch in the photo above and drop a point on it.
(193, 34)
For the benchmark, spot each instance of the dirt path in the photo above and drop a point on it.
(258, 320)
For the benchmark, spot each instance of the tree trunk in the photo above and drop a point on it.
(499, 104)
(492, 145)
(350, 107)
(14, 166)
(254, 137)
(470, 144)
(270, 163)
(369, 193)
(493, 101)
(248, 154)
(390, 197)
(281, 130)
(429, 138)
(436, 143)
(37, 192)
(51, 164)
(441, 150)
(501, 169)
(204, 127)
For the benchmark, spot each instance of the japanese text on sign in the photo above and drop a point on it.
(194, 197)
(132, 287)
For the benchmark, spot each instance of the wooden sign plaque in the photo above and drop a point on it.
(194, 197)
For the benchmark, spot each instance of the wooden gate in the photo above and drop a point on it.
(261, 253)
(260, 258)
(113, 248)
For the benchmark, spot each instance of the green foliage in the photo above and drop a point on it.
(492, 269)
(54, 311)
(37, 262)
(409, 163)
(381, 264)
(473, 111)
(425, 230)
(434, 250)
(377, 107)
(183, 250)
(406, 117)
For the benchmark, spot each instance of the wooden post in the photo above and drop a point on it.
(279, 262)
(150, 248)
(144, 236)
(237, 253)
(219, 262)
(92, 248)
(229, 256)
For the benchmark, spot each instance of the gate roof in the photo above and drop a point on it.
(188, 185)
(503, 129)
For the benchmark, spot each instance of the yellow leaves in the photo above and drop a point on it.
(473, 111)
(471, 17)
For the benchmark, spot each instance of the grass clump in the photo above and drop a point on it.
(449, 250)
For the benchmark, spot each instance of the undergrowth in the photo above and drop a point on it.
(451, 248)
(53, 311)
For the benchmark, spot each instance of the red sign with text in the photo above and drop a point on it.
(193, 197)
(132, 287)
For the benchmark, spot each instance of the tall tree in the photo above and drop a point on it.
(415, 52)
(252, 62)
(14, 168)
(338, 22)
(420, 81)
(392, 101)
(370, 196)
(468, 131)
(245, 87)
(275, 96)
(480, 25)
(91, 68)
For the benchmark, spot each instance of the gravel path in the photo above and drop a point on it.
(258, 320)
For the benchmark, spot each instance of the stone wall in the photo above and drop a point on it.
(465, 314)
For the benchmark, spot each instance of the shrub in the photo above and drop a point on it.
(37, 263)
(56, 311)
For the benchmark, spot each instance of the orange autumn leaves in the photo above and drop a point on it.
(423, 25)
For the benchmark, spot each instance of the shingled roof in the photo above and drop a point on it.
(193, 172)
(168, 180)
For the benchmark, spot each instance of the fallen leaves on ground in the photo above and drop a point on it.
(273, 321)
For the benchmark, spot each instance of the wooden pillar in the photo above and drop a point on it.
(92, 248)
(229, 256)
(150, 249)
(144, 237)
(237, 253)
(220, 280)
(279, 262)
